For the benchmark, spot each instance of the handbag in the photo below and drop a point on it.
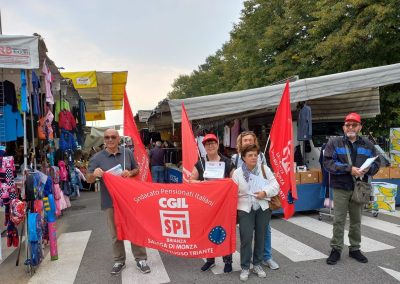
(362, 190)
(275, 202)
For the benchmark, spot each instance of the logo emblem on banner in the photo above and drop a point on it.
(174, 223)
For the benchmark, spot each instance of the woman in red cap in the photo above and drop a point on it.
(202, 172)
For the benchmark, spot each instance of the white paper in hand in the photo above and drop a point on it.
(116, 171)
(368, 163)
(214, 170)
(257, 183)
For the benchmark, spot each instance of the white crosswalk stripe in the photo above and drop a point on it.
(293, 249)
(395, 274)
(380, 225)
(71, 247)
(219, 264)
(325, 229)
(132, 275)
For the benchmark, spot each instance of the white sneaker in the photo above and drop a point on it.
(271, 264)
(257, 269)
(244, 275)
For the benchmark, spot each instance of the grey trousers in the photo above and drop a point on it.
(342, 202)
(249, 223)
(118, 246)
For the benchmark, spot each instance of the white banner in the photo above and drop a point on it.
(19, 52)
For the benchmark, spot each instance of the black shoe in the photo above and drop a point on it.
(208, 265)
(117, 268)
(357, 255)
(333, 257)
(228, 268)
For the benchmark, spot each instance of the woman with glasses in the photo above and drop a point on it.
(255, 182)
(199, 173)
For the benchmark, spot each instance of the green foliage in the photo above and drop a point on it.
(276, 39)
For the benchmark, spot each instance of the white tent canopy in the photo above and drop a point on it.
(330, 96)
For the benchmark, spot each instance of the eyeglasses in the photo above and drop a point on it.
(112, 137)
(354, 125)
(211, 143)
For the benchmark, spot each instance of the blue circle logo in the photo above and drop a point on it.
(217, 235)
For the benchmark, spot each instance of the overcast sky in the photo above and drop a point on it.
(155, 40)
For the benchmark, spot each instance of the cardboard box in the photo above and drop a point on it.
(394, 172)
(384, 205)
(309, 177)
(298, 179)
(383, 173)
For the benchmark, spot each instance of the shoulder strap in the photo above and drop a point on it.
(237, 160)
(349, 159)
(263, 171)
(348, 155)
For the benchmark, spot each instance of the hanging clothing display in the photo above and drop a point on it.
(35, 94)
(66, 120)
(235, 130)
(13, 126)
(47, 81)
(245, 124)
(24, 93)
(60, 105)
(227, 136)
(10, 95)
(304, 124)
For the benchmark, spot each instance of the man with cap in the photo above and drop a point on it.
(343, 174)
(210, 143)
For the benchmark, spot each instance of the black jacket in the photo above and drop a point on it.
(336, 162)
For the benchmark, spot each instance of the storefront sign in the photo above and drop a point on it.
(19, 52)
(195, 220)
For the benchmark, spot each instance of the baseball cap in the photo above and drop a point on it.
(209, 137)
(353, 117)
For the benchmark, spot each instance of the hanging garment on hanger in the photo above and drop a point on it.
(66, 120)
(10, 95)
(35, 94)
(61, 105)
(235, 130)
(13, 127)
(304, 124)
(227, 136)
(47, 80)
(24, 93)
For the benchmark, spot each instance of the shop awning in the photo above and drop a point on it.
(331, 96)
(101, 90)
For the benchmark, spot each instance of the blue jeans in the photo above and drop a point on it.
(267, 243)
(157, 173)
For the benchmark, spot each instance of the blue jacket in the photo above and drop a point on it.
(336, 162)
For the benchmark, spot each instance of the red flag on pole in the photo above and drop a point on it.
(281, 153)
(189, 147)
(140, 154)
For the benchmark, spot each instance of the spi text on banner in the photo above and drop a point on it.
(195, 220)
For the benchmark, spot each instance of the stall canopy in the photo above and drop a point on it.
(101, 90)
(330, 96)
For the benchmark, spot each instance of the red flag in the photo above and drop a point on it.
(195, 220)
(189, 147)
(281, 153)
(140, 154)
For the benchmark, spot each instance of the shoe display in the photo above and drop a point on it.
(244, 275)
(117, 268)
(208, 265)
(257, 269)
(333, 257)
(228, 268)
(142, 266)
(271, 264)
(357, 255)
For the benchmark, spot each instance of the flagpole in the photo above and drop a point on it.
(123, 132)
(266, 145)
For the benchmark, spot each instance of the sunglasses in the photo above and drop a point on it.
(353, 125)
(112, 137)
